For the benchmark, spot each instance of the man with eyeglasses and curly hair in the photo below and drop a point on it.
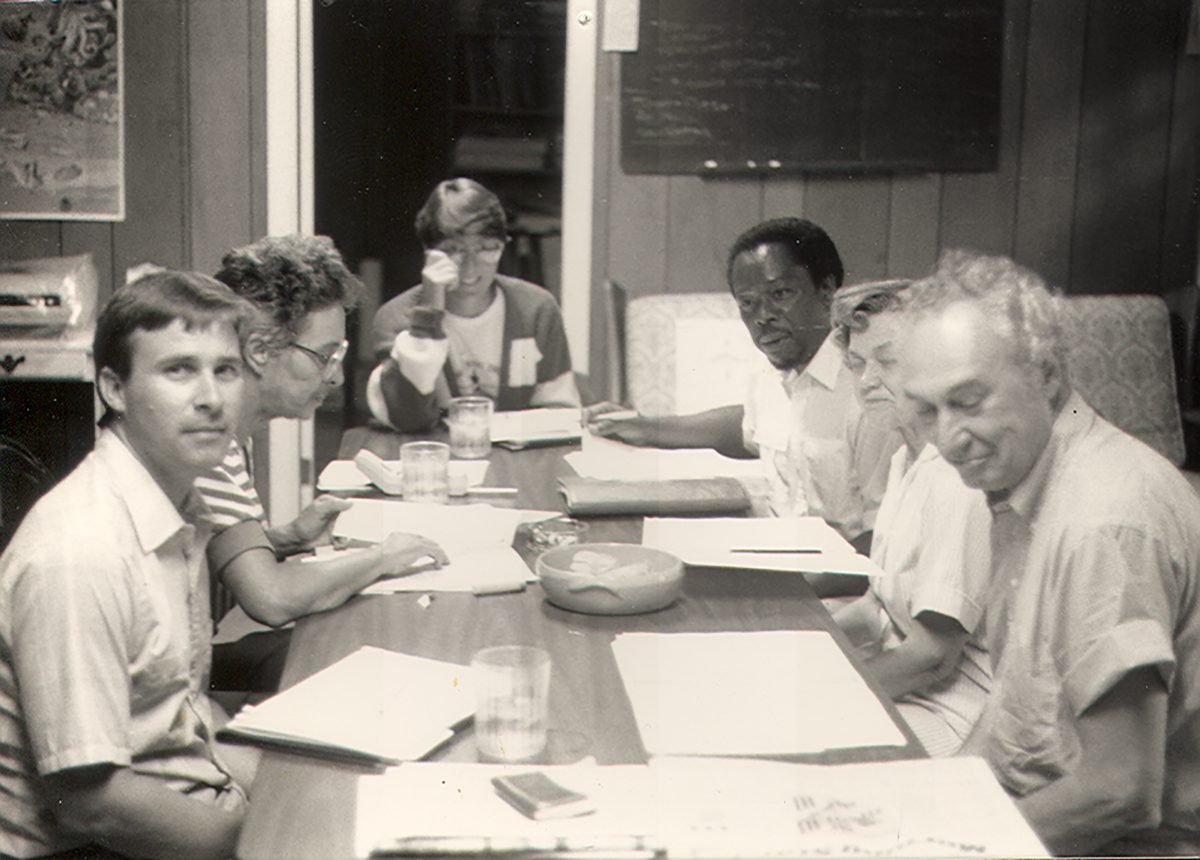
(466, 329)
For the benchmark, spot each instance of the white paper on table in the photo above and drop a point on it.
(456, 528)
(709, 541)
(466, 571)
(345, 475)
(760, 693)
(442, 807)
(528, 425)
(390, 706)
(723, 808)
(609, 459)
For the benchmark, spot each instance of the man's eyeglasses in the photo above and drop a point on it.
(486, 251)
(330, 363)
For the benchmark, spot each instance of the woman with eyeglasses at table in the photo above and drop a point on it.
(300, 288)
(920, 627)
(466, 329)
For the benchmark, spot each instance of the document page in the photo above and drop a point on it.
(797, 544)
(443, 808)
(536, 425)
(951, 807)
(345, 475)
(473, 570)
(609, 459)
(765, 693)
(456, 528)
(376, 703)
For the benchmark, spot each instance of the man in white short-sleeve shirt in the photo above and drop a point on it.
(106, 733)
(1094, 618)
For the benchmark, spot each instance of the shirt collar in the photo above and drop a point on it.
(1072, 421)
(155, 519)
(823, 367)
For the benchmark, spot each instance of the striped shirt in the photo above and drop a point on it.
(228, 490)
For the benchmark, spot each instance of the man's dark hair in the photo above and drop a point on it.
(288, 277)
(152, 303)
(810, 247)
(456, 205)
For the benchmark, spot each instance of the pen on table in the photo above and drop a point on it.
(491, 491)
(793, 551)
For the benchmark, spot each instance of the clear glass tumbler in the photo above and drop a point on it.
(512, 686)
(470, 422)
(424, 471)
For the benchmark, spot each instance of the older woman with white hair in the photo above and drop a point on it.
(921, 624)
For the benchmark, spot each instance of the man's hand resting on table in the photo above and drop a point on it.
(402, 554)
(619, 422)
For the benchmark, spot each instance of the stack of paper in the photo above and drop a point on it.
(373, 704)
(798, 544)
(765, 693)
(703, 808)
(490, 570)
(456, 528)
(344, 475)
(536, 426)
(608, 459)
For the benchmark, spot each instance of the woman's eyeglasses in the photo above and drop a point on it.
(487, 251)
(329, 363)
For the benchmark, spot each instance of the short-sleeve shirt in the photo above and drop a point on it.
(535, 349)
(1096, 560)
(822, 452)
(105, 644)
(931, 536)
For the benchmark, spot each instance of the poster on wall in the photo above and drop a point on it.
(61, 117)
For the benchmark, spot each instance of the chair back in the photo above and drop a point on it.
(1121, 362)
(686, 352)
(615, 303)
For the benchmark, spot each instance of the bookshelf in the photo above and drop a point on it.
(505, 117)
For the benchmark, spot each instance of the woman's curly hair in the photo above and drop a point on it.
(287, 278)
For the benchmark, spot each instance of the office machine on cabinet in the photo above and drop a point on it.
(47, 399)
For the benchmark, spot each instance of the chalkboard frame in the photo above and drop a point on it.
(714, 85)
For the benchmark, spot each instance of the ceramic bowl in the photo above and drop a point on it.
(610, 578)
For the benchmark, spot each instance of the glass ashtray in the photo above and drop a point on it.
(559, 531)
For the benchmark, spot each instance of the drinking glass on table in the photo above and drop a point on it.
(424, 471)
(470, 422)
(512, 686)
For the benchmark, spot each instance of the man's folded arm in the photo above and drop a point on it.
(139, 815)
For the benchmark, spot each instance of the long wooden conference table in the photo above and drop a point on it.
(303, 807)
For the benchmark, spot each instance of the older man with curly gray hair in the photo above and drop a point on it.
(1094, 620)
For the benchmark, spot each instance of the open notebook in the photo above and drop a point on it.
(374, 705)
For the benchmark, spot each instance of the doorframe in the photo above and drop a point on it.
(290, 209)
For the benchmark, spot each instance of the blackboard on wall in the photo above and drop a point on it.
(735, 86)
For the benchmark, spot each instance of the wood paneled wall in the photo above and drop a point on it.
(1095, 188)
(194, 144)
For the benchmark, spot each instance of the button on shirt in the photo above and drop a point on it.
(105, 644)
(822, 452)
(1096, 571)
